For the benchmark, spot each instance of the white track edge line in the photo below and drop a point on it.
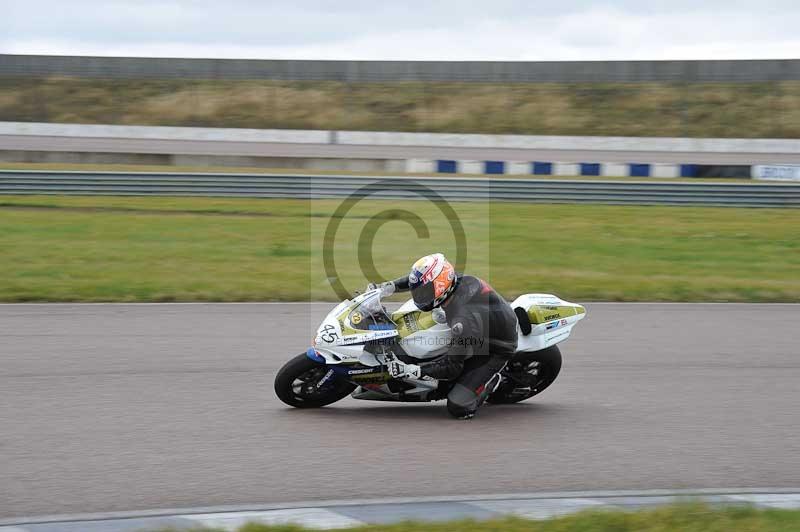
(260, 507)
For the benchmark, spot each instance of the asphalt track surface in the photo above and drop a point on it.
(128, 407)
(316, 151)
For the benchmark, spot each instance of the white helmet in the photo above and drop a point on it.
(432, 280)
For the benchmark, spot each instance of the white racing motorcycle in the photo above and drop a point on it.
(359, 337)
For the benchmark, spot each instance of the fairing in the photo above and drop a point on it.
(552, 320)
(342, 337)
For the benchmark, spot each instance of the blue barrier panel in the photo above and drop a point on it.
(494, 167)
(688, 170)
(590, 168)
(444, 166)
(540, 168)
(639, 170)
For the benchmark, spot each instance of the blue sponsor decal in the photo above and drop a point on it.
(688, 170)
(555, 324)
(639, 170)
(446, 166)
(494, 167)
(590, 168)
(313, 355)
(381, 327)
(541, 168)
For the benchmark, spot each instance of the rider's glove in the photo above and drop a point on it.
(387, 288)
(398, 370)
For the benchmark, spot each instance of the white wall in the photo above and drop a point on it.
(372, 138)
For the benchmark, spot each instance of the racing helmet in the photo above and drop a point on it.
(431, 281)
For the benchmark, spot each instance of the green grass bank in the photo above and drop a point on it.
(212, 249)
(769, 110)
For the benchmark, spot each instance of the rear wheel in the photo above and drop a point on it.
(303, 383)
(528, 374)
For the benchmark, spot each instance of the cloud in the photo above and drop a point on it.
(446, 30)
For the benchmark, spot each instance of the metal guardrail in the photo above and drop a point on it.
(451, 189)
(695, 71)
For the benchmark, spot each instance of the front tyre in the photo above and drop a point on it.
(528, 374)
(303, 383)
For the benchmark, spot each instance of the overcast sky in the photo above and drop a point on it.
(423, 30)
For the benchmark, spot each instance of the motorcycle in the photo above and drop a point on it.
(359, 337)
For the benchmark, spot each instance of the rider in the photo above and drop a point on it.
(483, 325)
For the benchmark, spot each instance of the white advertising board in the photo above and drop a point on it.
(783, 172)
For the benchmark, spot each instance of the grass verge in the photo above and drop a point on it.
(677, 518)
(216, 249)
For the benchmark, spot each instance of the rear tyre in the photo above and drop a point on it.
(298, 384)
(528, 374)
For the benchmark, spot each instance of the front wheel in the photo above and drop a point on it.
(303, 383)
(528, 374)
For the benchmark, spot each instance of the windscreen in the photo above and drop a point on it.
(370, 314)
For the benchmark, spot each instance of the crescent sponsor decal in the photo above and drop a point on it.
(362, 371)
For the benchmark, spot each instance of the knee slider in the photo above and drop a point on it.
(462, 401)
(459, 411)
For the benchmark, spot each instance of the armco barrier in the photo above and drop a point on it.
(455, 189)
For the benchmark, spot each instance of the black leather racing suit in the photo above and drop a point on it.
(484, 340)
